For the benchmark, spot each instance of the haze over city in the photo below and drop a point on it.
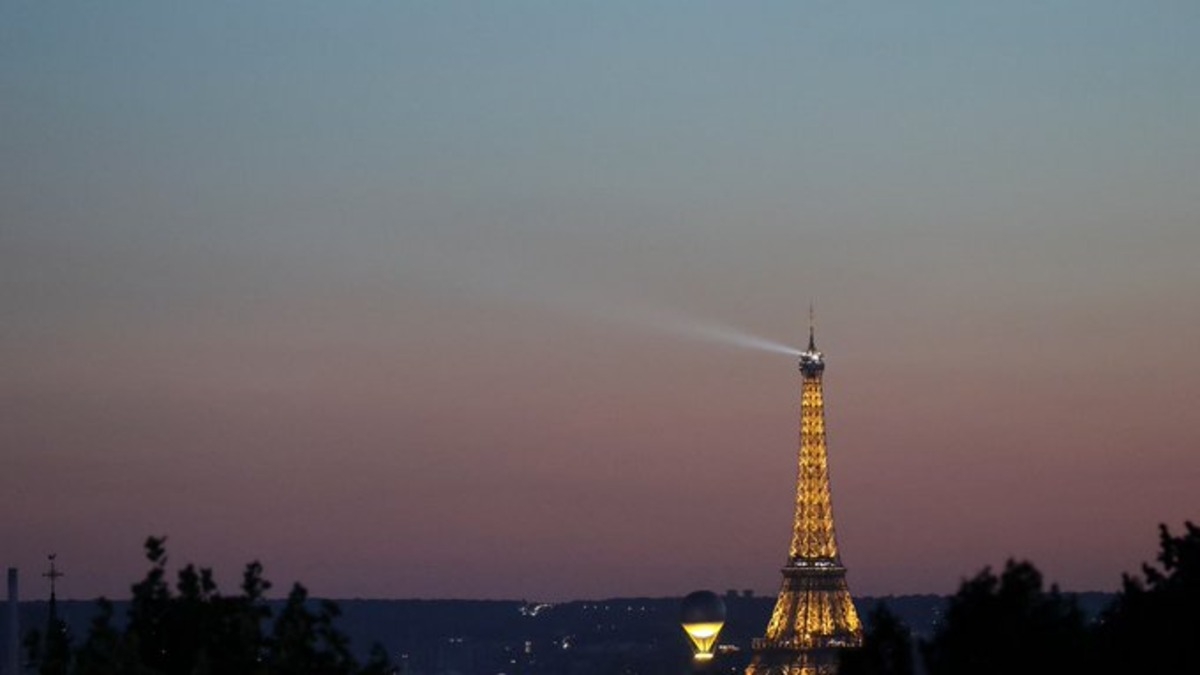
(493, 300)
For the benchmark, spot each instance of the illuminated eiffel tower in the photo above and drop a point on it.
(813, 616)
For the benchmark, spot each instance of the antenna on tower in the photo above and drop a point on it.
(812, 322)
(53, 575)
(53, 624)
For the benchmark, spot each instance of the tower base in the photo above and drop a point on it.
(790, 662)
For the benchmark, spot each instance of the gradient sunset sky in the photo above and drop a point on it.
(423, 299)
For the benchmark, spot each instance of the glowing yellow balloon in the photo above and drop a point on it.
(702, 618)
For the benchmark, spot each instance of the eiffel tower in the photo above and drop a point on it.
(813, 617)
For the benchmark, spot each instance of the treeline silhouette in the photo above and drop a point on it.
(996, 623)
(1010, 623)
(195, 630)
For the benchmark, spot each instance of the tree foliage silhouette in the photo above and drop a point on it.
(102, 652)
(195, 630)
(993, 624)
(1153, 625)
(887, 647)
(1007, 624)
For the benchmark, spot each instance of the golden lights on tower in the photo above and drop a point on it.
(814, 615)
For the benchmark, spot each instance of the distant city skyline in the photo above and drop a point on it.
(436, 299)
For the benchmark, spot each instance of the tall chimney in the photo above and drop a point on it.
(12, 652)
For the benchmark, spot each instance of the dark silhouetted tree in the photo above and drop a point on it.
(56, 659)
(194, 630)
(50, 652)
(305, 642)
(378, 662)
(146, 631)
(102, 652)
(1007, 624)
(1153, 626)
(887, 647)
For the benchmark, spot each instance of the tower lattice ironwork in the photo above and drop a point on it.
(814, 616)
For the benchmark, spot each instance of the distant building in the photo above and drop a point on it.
(10, 628)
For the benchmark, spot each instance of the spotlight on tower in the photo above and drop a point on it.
(702, 616)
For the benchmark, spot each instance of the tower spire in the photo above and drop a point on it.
(812, 322)
(57, 649)
(812, 361)
(55, 628)
(813, 616)
(53, 575)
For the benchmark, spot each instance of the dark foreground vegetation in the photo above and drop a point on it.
(194, 630)
(1011, 623)
(997, 622)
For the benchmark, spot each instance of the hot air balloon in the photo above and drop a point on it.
(702, 617)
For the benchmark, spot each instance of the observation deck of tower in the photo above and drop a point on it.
(813, 616)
